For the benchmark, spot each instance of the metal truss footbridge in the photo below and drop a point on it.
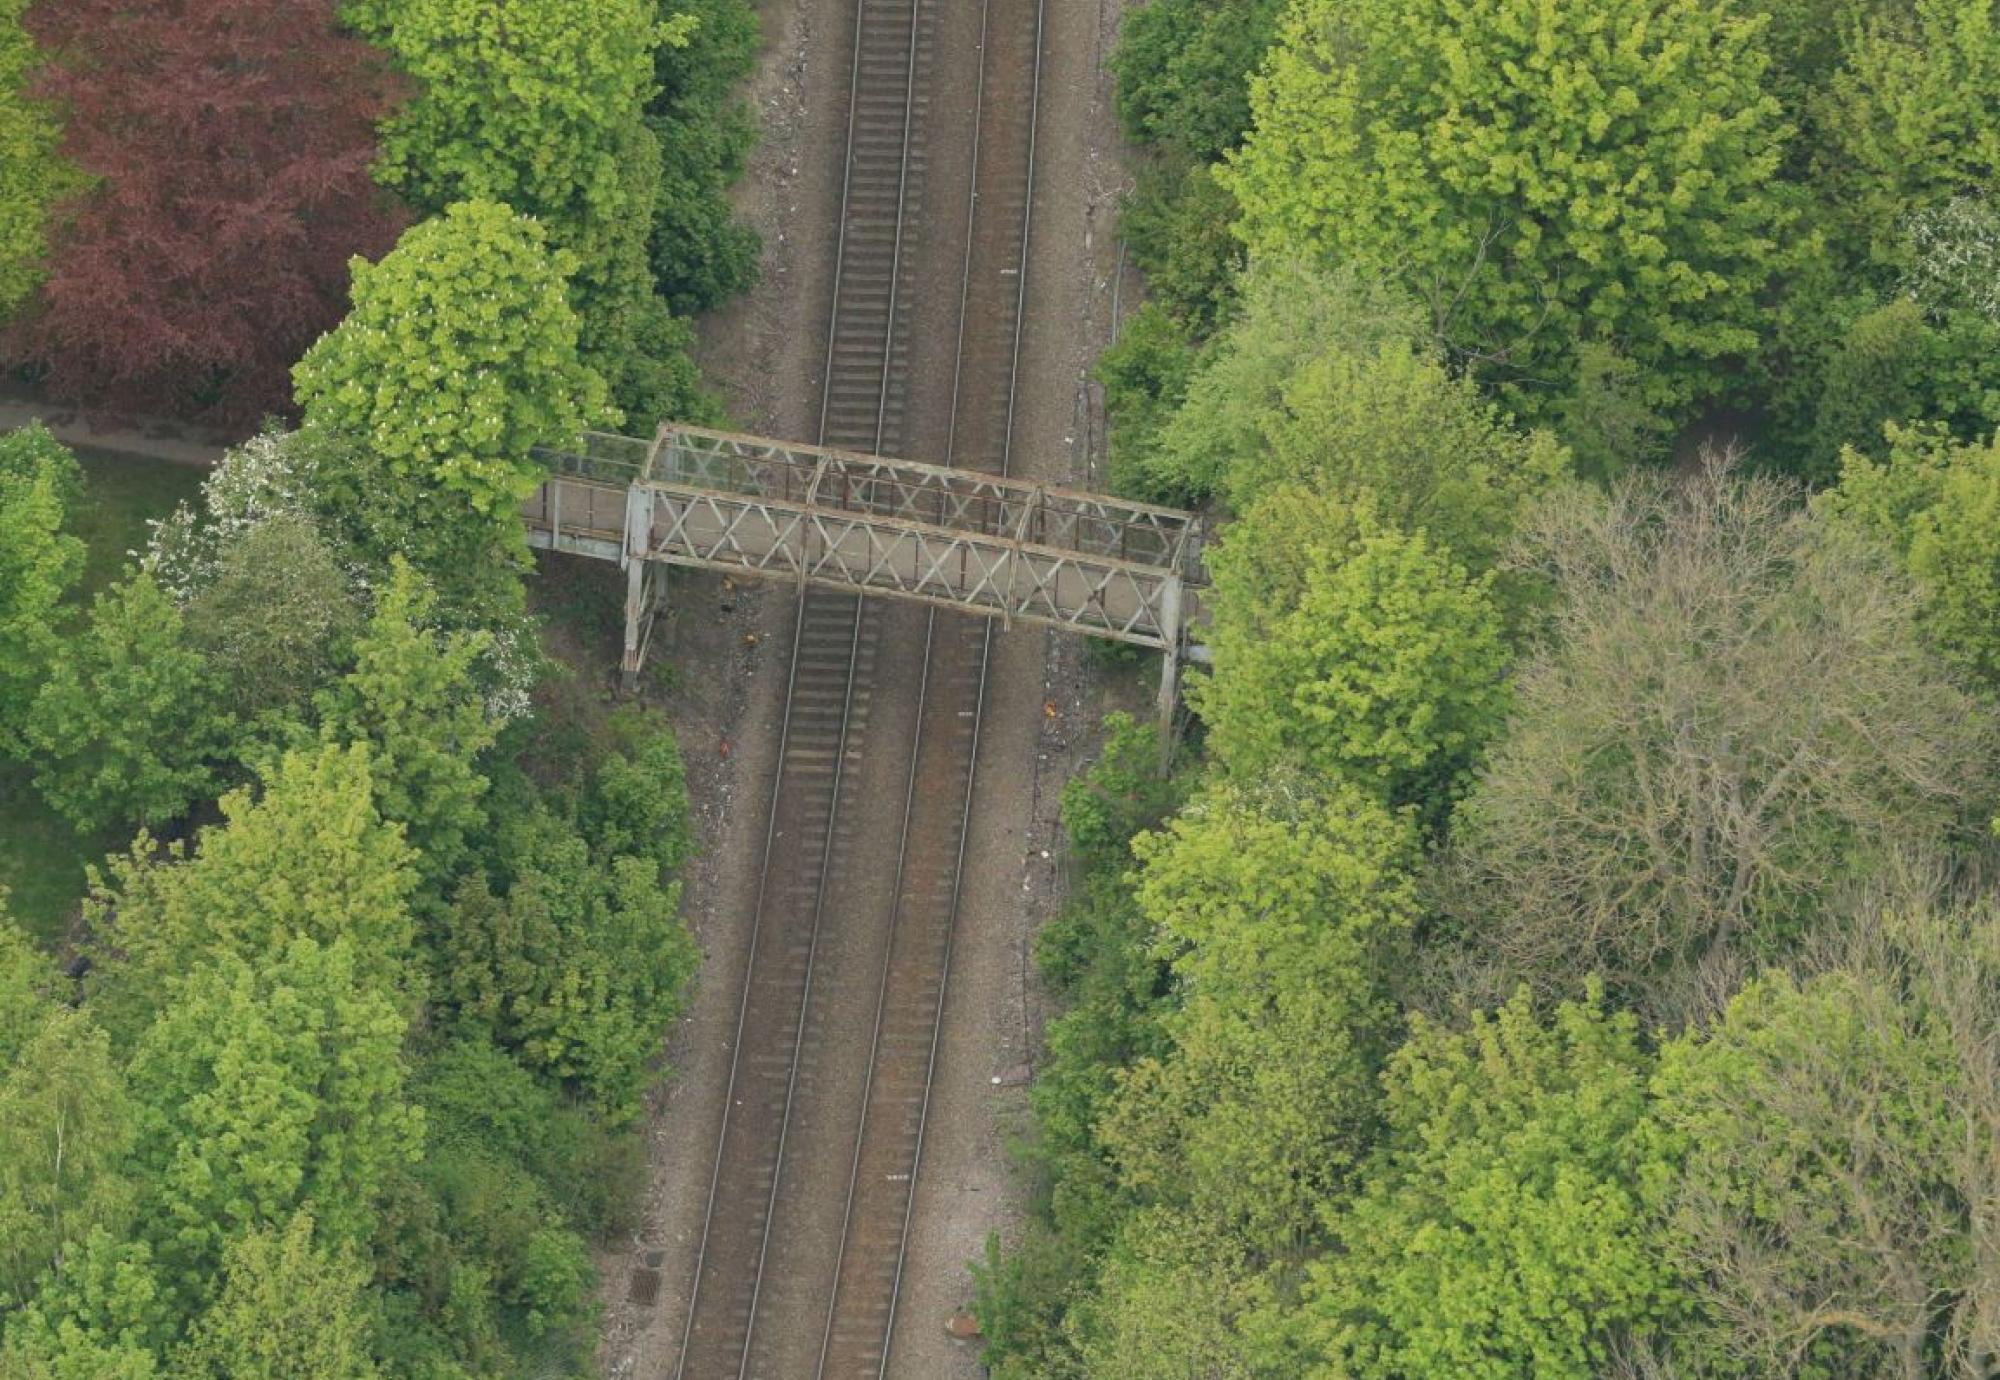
(976, 542)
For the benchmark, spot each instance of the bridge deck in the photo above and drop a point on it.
(812, 515)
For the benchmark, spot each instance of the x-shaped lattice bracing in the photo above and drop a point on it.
(973, 541)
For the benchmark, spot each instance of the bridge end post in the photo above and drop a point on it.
(638, 522)
(635, 630)
(1171, 610)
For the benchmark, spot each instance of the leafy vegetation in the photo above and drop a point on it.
(210, 247)
(336, 1071)
(1569, 954)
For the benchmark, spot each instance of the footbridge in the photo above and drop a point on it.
(748, 505)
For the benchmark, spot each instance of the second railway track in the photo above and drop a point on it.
(842, 648)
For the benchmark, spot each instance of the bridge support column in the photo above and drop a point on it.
(1170, 668)
(638, 606)
(1170, 681)
(635, 625)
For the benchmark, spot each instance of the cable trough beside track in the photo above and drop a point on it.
(841, 646)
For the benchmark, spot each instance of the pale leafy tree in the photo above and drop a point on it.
(1327, 382)
(132, 725)
(1284, 909)
(1670, 798)
(271, 476)
(1179, 1298)
(278, 617)
(1382, 665)
(459, 357)
(287, 1310)
(1936, 504)
(1503, 1229)
(1538, 174)
(307, 855)
(1291, 314)
(1838, 1146)
(1954, 251)
(65, 1124)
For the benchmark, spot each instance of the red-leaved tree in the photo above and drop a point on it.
(230, 142)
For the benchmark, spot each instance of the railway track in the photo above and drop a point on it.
(958, 652)
(840, 648)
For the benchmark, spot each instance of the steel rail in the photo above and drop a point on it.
(786, 728)
(985, 661)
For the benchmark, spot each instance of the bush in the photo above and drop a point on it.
(1183, 70)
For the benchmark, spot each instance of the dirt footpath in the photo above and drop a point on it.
(725, 688)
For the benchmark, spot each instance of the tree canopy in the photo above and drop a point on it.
(227, 147)
(460, 357)
(39, 561)
(1538, 175)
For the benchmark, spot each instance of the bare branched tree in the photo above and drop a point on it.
(1731, 719)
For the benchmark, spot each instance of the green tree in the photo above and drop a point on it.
(66, 1128)
(1837, 1142)
(522, 104)
(1669, 803)
(308, 856)
(1906, 121)
(540, 106)
(278, 616)
(33, 179)
(1179, 223)
(414, 696)
(287, 1310)
(1145, 375)
(68, 1352)
(1894, 366)
(636, 801)
(1383, 666)
(131, 724)
(701, 254)
(579, 966)
(1284, 911)
(1539, 175)
(1936, 504)
(1183, 70)
(26, 978)
(459, 357)
(108, 1314)
(38, 564)
(1503, 1230)
(32, 451)
(264, 1088)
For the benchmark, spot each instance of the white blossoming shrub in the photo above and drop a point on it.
(265, 477)
(513, 663)
(1956, 257)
